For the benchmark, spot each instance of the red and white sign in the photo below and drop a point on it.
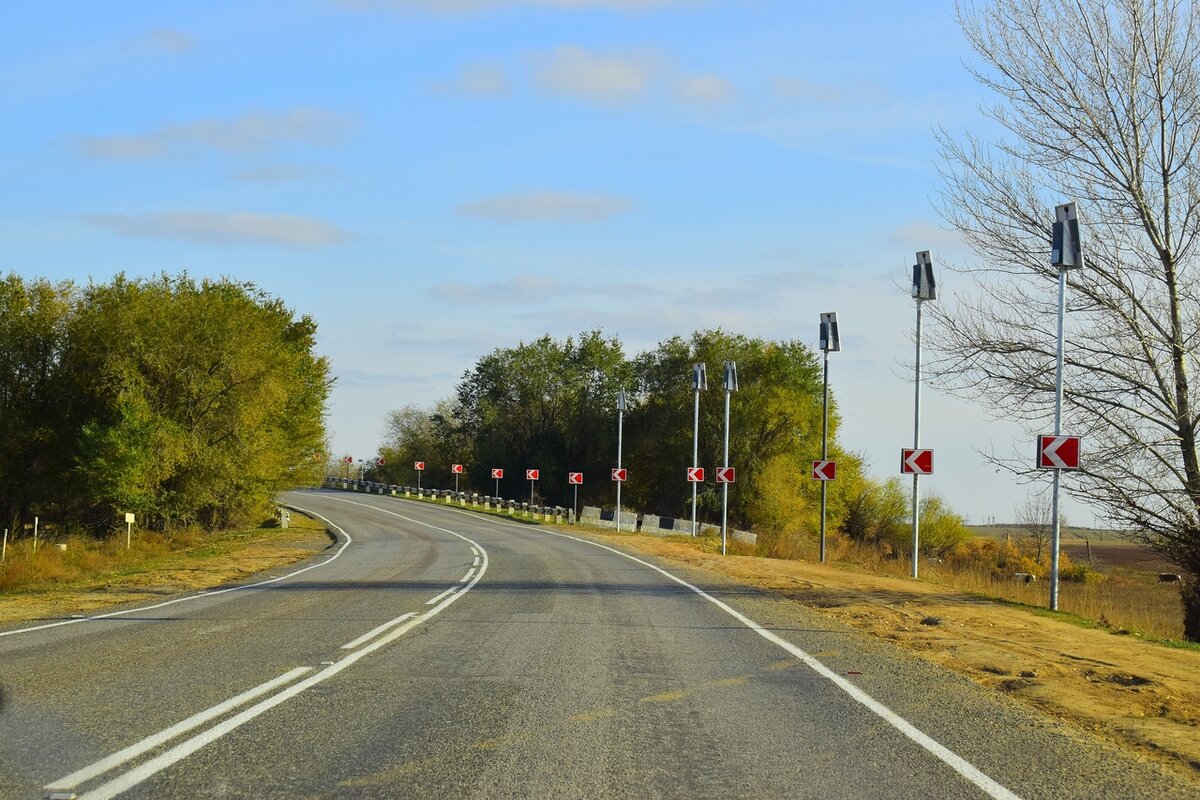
(531, 474)
(575, 477)
(419, 466)
(725, 475)
(1058, 452)
(916, 462)
(824, 470)
(620, 474)
(695, 474)
(456, 469)
(349, 459)
(379, 461)
(497, 474)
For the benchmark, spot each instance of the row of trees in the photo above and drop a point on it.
(182, 402)
(551, 404)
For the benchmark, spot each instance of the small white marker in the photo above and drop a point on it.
(475, 563)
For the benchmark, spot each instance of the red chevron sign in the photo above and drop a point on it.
(916, 462)
(824, 470)
(695, 474)
(1058, 452)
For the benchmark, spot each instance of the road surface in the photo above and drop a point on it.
(433, 652)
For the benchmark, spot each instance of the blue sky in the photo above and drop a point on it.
(431, 179)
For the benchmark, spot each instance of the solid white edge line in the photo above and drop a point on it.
(371, 634)
(440, 596)
(150, 742)
(198, 595)
(964, 768)
(185, 748)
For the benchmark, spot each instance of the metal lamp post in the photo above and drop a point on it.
(923, 288)
(731, 386)
(699, 384)
(621, 401)
(1066, 253)
(829, 342)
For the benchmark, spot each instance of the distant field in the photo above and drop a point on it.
(1109, 548)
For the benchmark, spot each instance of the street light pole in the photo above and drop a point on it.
(923, 289)
(830, 342)
(699, 384)
(1066, 252)
(731, 385)
(620, 431)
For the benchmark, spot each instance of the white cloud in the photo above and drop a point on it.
(282, 173)
(162, 40)
(251, 132)
(572, 71)
(219, 228)
(705, 89)
(548, 206)
(525, 289)
(478, 80)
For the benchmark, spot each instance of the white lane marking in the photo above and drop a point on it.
(474, 551)
(467, 577)
(440, 596)
(371, 634)
(475, 563)
(185, 748)
(964, 768)
(150, 742)
(198, 595)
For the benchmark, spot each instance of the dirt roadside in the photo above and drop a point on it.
(1141, 695)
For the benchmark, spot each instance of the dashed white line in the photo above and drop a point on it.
(475, 563)
(371, 634)
(467, 577)
(440, 596)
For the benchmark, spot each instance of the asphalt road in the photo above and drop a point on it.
(437, 653)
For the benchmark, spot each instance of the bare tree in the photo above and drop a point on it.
(1034, 518)
(1100, 101)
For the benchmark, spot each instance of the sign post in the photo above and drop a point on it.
(497, 474)
(457, 469)
(575, 479)
(620, 430)
(830, 342)
(923, 289)
(699, 384)
(531, 475)
(1066, 253)
(419, 466)
(128, 529)
(731, 386)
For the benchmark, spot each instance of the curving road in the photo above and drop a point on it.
(438, 653)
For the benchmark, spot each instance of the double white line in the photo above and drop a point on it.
(394, 629)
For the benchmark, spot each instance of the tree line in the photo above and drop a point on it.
(551, 404)
(183, 402)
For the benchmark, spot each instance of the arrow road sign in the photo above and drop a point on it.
(419, 466)
(725, 474)
(575, 477)
(824, 470)
(620, 474)
(379, 461)
(1058, 452)
(497, 474)
(349, 459)
(695, 474)
(531, 474)
(456, 469)
(916, 462)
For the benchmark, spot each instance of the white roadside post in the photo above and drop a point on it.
(128, 529)
(923, 289)
(731, 386)
(35, 532)
(1066, 253)
(699, 384)
(830, 342)
(621, 402)
(4, 547)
